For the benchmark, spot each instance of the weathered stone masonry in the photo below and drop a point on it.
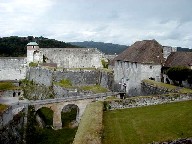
(79, 77)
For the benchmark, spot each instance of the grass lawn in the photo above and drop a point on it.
(3, 107)
(90, 127)
(7, 86)
(147, 124)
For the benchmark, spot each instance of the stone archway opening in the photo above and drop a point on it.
(44, 117)
(70, 116)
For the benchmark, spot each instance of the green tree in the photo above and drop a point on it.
(179, 73)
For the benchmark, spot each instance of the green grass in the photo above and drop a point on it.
(94, 89)
(66, 83)
(39, 135)
(90, 127)
(68, 117)
(3, 107)
(160, 84)
(50, 136)
(46, 114)
(185, 90)
(7, 86)
(147, 124)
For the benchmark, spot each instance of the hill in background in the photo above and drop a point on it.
(15, 46)
(107, 48)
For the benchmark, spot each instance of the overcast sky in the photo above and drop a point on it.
(116, 21)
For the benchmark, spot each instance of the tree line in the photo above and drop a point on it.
(15, 46)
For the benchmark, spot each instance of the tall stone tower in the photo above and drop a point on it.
(33, 53)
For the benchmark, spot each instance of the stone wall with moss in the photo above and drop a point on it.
(145, 101)
(151, 87)
(12, 133)
(79, 77)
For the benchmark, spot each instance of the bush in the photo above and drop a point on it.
(179, 73)
(105, 63)
(32, 64)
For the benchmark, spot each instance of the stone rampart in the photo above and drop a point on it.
(40, 75)
(12, 68)
(11, 127)
(11, 93)
(150, 87)
(6, 117)
(78, 77)
(146, 101)
(73, 57)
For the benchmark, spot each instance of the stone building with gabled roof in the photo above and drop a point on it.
(142, 60)
(179, 59)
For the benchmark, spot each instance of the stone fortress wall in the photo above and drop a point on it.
(73, 57)
(167, 50)
(12, 68)
(78, 77)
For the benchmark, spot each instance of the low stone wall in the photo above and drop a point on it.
(149, 87)
(6, 117)
(177, 141)
(64, 92)
(11, 93)
(145, 101)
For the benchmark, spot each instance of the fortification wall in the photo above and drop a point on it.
(79, 77)
(146, 100)
(40, 75)
(167, 50)
(11, 93)
(11, 127)
(73, 57)
(12, 68)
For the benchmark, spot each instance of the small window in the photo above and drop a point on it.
(14, 94)
(151, 67)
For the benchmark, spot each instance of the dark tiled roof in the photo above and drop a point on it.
(179, 59)
(146, 51)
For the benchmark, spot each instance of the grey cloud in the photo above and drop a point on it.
(122, 21)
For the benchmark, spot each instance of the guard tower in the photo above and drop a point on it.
(33, 53)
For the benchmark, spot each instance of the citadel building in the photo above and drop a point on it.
(142, 60)
(14, 68)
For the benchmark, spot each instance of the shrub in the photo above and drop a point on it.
(32, 64)
(105, 63)
(179, 73)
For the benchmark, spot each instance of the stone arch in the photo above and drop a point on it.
(44, 116)
(70, 115)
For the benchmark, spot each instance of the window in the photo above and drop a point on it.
(151, 67)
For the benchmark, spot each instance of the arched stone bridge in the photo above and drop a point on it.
(56, 105)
